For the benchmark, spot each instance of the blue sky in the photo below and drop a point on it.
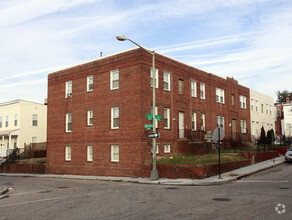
(250, 40)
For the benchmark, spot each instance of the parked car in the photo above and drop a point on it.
(288, 155)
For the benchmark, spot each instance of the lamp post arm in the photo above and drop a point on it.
(148, 51)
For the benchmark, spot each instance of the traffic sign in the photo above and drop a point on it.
(158, 117)
(148, 126)
(153, 135)
(219, 134)
(149, 116)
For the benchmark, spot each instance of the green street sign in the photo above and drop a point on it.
(158, 117)
(148, 126)
(149, 116)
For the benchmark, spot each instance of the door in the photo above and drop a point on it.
(233, 129)
(181, 125)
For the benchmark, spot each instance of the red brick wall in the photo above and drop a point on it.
(33, 168)
(260, 156)
(134, 98)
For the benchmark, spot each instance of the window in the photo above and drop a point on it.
(115, 117)
(114, 79)
(15, 119)
(90, 117)
(267, 109)
(220, 121)
(68, 122)
(89, 153)
(34, 139)
(262, 108)
(6, 123)
(0, 121)
(157, 149)
(166, 81)
(252, 105)
(180, 86)
(89, 83)
(34, 120)
(156, 78)
(257, 106)
(242, 101)
(270, 110)
(194, 88)
(68, 153)
(202, 90)
(68, 91)
(232, 99)
(257, 128)
(166, 148)
(243, 126)
(203, 122)
(194, 121)
(115, 153)
(166, 118)
(220, 95)
(252, 128)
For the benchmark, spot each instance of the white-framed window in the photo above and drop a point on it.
(202, 90)
(267, 109)
(194, 121)
(89, 117)
(152, 113)
(89, 153)
(157, 149)
(203, 122)
(243, 126)
(252, 105)
(232, 99)
(115, 79)
(262, 108)
(180, 86)
(15, 119)
(242, 101)
(34, 139)
(220, 121)
(220, 95)
(115, 154)
(68, 153)
(115, 118)
(0, 121)
(166, 81)
(166, 148)
(68, 90)
(166, 118)
(68, 122)
(194, 88)
(270, 110)
(156, 77)
(89, 83)
(257, 106)
(6, 122)
(34, 120)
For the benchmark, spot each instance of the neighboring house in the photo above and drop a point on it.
(97, 112)
(262, 113)
(21, 122)
(284, 118)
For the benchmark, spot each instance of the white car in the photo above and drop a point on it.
(288, 155)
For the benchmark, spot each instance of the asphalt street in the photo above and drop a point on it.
(265, 195)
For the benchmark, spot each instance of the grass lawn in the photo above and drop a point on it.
(199, 159)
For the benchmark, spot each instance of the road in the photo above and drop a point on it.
(254, 197)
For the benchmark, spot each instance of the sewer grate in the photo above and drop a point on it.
(62, 187)
(45, 191)
(171, 187)
(221, 199)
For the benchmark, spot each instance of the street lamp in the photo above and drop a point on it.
(154, 172)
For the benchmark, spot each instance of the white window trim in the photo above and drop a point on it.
(112, 118)
(202, 88)
(203, 116)
(166, 148)
(68, 93)
(89, 153)
(37, 120)
(168, 117)
(194, 88)
(68, 153)
(219, 119)
(33, 138)
(194, 119)
(67, 120)
(243, 126)
(88, 81)
(113, 159)
(156, 75)
(168, 80)
(242, 101)
(88, 117)
(220, 94)
(112, 78)
(181, 86)
(15, 120)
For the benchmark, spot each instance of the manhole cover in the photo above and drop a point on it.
(46, 191)
(221, 199)
(171, 188)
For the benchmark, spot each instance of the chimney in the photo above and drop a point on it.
(100, 55)
(287, 100)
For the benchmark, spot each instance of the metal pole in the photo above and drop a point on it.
(219, 153)
(154, 172)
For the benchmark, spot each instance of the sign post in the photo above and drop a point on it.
(219, 134)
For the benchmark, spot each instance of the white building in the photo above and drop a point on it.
(262, 113)
(286, 123)
(21, 122)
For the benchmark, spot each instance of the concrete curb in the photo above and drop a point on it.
(214, 180)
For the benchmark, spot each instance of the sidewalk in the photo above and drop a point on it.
(214, 180)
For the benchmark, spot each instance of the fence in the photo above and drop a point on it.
(33, 150)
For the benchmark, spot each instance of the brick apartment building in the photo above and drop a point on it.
(97, 112)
